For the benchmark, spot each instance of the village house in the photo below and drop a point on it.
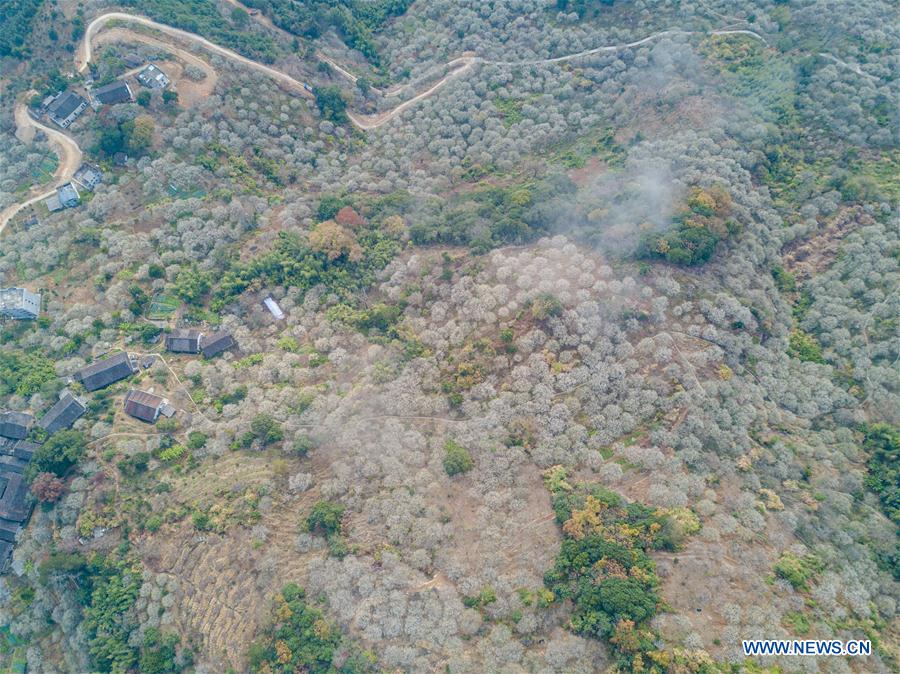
(15, 506)
(19, 303)
(105, 372)
(112, 93)
(216, 343)
(65, 196)
(153, 78)
(147, 406)
(68, 195)
(184, 341)
(67, 410)
(15, 425)
(65, 108)
(88, 177)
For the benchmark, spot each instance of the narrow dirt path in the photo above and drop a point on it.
(66, 149)
(852, 67)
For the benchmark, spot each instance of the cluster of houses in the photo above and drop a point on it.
(87, 177)
(16, 450)
(16, 428)
(66, 106)
(145, 405)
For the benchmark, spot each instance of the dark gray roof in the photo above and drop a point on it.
(216, 343)
(8, 531)
(65, 104)
(5, 553)
(63, 414)
(142, 405)
(14, 503)
(15, 424)
(12, 464)
(105, 372)
(24, 450)
(114, 92)
(183, 341)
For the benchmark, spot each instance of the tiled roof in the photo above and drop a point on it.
(183, 341)
(105, 372)
(216, 343)
(15, 424)
(142, 405)
(63, 414)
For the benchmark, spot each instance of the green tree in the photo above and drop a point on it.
(158, 653)
(457, 459)
(139, 133)
(325, 518)
(58, 454)
(331, 103)
(883, 444)
(264, 428)
(192, 284)
(24, 372)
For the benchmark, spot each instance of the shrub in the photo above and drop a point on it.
(544, 306)
(883, 444)
(172, 453)
(483, 598)
(131, 466)
(325, 518)
(457, 459)
(196, 440)
(303, 446)
(805, 347)
(798, 571)
(153, 523)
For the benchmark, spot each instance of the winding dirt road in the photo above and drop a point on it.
(458, 65)
(70, 153)
(66, 149)
(84, 54)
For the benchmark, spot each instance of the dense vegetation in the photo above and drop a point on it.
(491, 216)
(344, 261)
(603, 566)
(24, 373)
(58, 453)
(17, 17)
(301, 638)
(108, 587)
(882, 442)
(354, 20)
(203, 17)
(696, 230)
